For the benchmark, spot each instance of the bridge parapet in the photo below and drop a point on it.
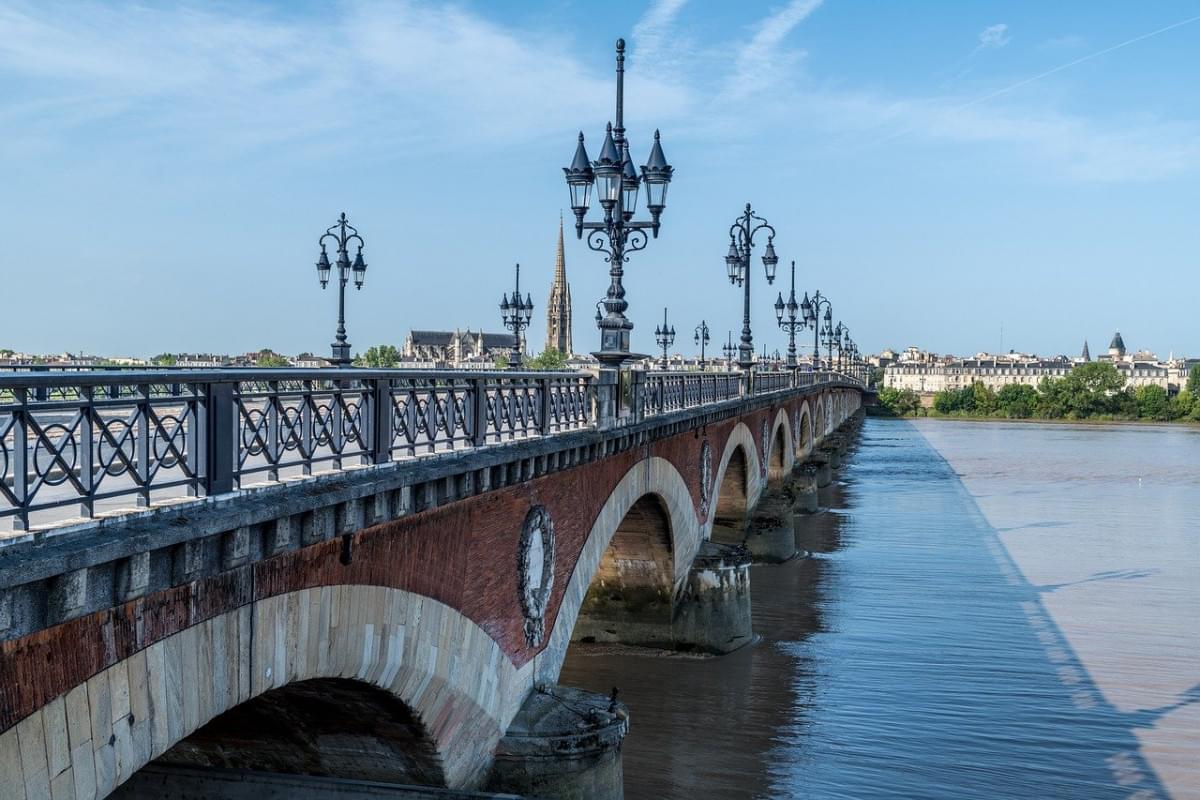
(95, 437)
(99, 440)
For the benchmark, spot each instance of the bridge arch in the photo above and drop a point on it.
(781, 455)
(335, 727)
(455, 679)
(652, 497)
(738, 482)
(804, 435)
(818, 431)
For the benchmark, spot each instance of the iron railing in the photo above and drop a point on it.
(665, 391)
(86, 438)
(101, 439)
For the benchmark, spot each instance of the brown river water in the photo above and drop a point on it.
(992, 610)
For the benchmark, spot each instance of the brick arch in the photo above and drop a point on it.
(804, 436)
(445, 668)
(781, 456)
(656, 477)
(818, 429)
(741, 441)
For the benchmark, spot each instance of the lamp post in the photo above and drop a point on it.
(617, 235)
(730, 350)
(829, 337)
(841, 340)
(702, 339)
(790, 322)
(812, 317)
(343, 233)
(737, 262)
(665, 336)
(516, 314)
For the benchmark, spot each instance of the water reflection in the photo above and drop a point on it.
(907, 658)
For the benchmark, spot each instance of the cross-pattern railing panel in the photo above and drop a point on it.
(299, 424)
(101, 440)
(72, 444)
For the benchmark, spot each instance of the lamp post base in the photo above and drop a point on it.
(341, 354)
(613, 359)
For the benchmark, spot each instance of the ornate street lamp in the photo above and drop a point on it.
(833, 338)
(665, 336)
(730, 350)
(811, 309)
(737, 262)
(842, 341)
(344, 236)
(790, 322)
(617, 235)
(702, 339)
(516, 314)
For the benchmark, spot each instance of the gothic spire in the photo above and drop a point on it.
(560, 259)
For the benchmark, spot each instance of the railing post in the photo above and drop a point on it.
(637, 394)
(20, 458)
(608, 387)
(381, 420)
(479, 411)
(544, 406)
(220, 434)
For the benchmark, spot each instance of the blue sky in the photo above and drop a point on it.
(942, 171)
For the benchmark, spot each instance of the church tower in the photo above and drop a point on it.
(558, 308)
(1086, 354)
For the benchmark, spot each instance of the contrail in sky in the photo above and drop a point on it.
(1049, 72)
(1070, 64)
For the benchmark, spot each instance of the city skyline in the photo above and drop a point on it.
(1008, 168)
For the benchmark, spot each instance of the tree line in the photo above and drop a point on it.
(1089, 391)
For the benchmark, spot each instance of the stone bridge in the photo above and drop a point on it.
(371, 575)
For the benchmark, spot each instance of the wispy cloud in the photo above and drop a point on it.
(760, 62)
(380, 73)
(652, 33)
(994, 37)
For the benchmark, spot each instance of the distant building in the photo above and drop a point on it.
(925, 374)
(1116, 348)
(456, 347)
(309, 361)
(558, 307)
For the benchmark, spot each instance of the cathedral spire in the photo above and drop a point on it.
(558, 308)
(560, 259)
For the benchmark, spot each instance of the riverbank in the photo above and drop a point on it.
(1143, 423)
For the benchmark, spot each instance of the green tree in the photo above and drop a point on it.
(164, 360)
(1193, 382)
(501, 361)
(1152, 402)
(380, 356)
(269, 358)
(877, 375)
(983, 399)
(1182, 404)
(1017, 400)
(549, 359)
(1093, 389)
(900, 402)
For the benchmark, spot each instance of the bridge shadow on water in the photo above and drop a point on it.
(907, 658)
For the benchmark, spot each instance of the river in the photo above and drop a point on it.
(992, 610)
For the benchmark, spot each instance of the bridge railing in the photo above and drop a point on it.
(99, 438)
(662, 392)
